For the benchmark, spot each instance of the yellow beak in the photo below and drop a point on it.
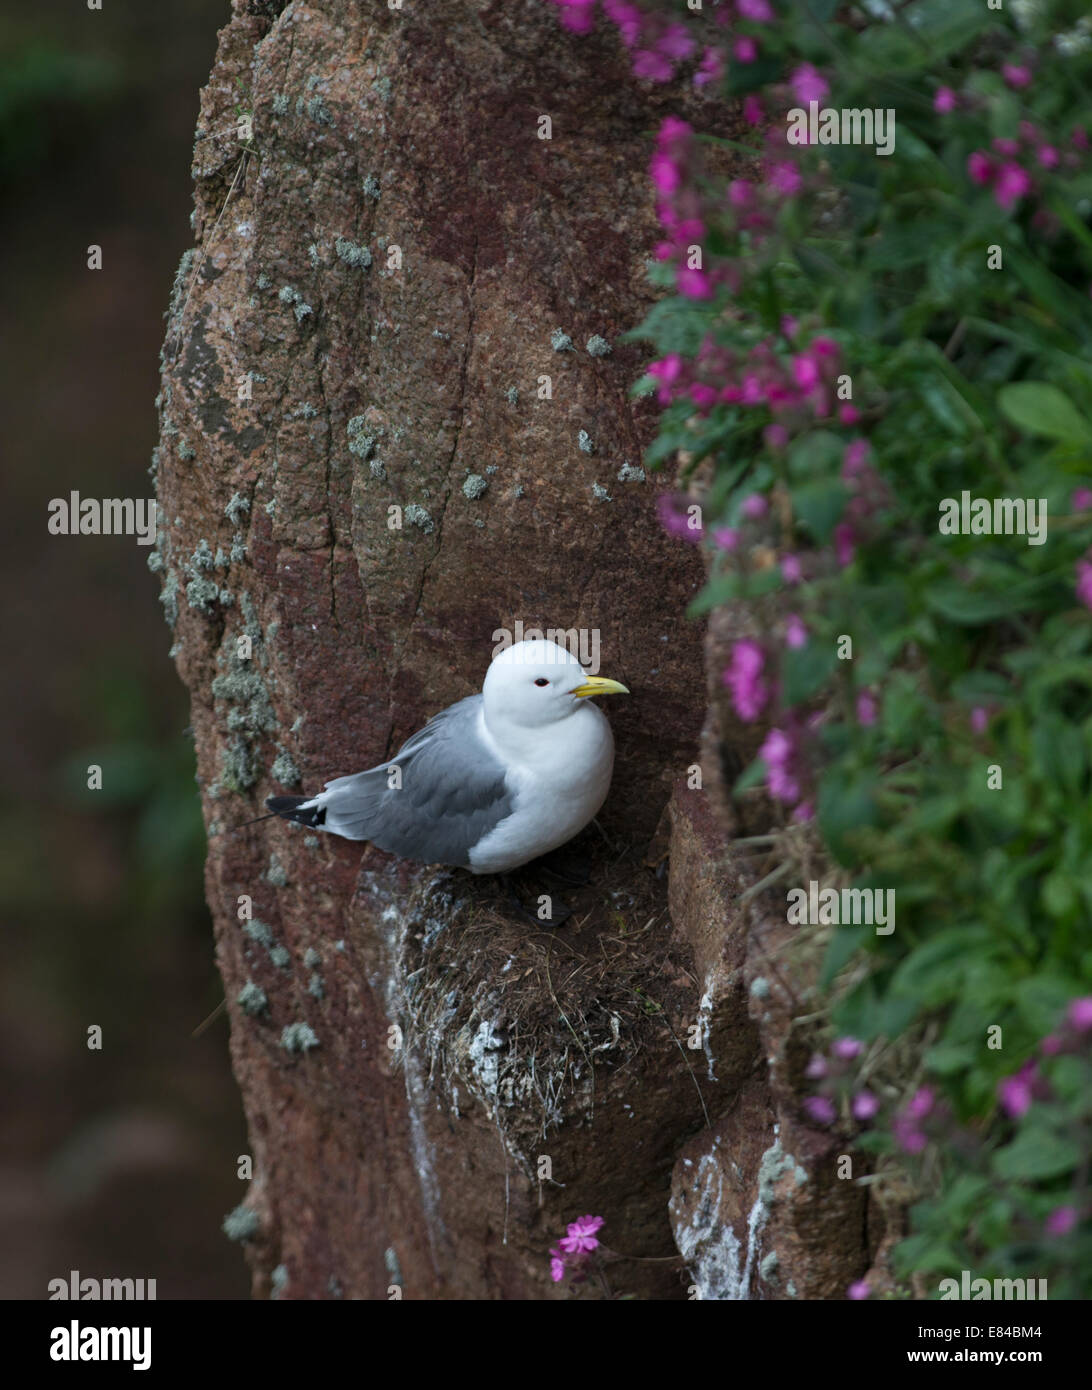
(599, 685)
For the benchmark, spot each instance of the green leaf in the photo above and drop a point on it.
(1037, 1152)
(805, 670)
(1039, 408)
(820, 506)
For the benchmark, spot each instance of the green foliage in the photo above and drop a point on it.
(965, 378)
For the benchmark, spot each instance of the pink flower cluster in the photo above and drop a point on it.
(573, 1251)
(659, 44)
(1010, 166)
(833, 1070)
(782, 752)
(1017, 1092)
(797, 388)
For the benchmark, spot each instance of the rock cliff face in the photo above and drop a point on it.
(385, 438)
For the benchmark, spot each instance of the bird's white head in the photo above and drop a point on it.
(534, 683)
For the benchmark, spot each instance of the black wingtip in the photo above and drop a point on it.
(287, 808)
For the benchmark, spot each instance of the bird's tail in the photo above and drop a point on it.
(300, 809)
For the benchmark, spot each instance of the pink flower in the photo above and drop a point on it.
(753, 113)
(1081, 499)
(980, 718)
(921, 1103)
(1051, 1045)
(804, 812)
(778, 752)
(1014, 1092)
(865, 1105)
(581, 1235)
(628, 18)
(866, 709)
(1015, 75)
(775, 436)
(808, 84)
(1012, 184)
(754, 506)
(1079, 138)
(845, 544)
(796, 634)
(855, 459)
(821, 1109)
(1084, 582)
(908, 1136)
(944, 101)
(1061, 1221)
(711, 67)
(848, 414)
(726, 538)
(805, 371)
(557, 1265)
(744, 679)
(1047, 156)
(740, 193)
(1079, 1014)
(685, 525)
(980, 167)
(676, 43)
(784, 178)
(757, 10)
(578, 16)
(745, 50)
(859, 1290)
(791, 570)
(653, 66)
(693, 284)
(1009, 148)
(817, 1067)
(664, 172)
(847, 1048)
(703, 395)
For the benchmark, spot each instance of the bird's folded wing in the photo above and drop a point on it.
(449, 792)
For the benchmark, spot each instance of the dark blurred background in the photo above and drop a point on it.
(120, 1162)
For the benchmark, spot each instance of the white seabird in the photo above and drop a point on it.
(489, 783)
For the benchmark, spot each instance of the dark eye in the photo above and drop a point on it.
(542, 681)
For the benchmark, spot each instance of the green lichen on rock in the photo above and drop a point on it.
(298, 1037)
(311, 958)
(585, 442)
(281, 957)
(560, 341)
(203, 595)
(259, 931)
(284, 770)
(236, 508)
(600, 493)
(474, 486)
(597, 346)
(279, 1280)
(361, 441)
(417, 516)
(631, 473)
(316, 988)
(276, 875)
(280, 104)
(252, 999)
(352, 254)
(512, 396)
(241, 1224)
(371, 188)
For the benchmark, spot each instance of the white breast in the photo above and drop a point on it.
(559, 782)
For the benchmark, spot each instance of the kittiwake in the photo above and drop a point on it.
(492, 781)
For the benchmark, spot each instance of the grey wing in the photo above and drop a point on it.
(452, 793)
